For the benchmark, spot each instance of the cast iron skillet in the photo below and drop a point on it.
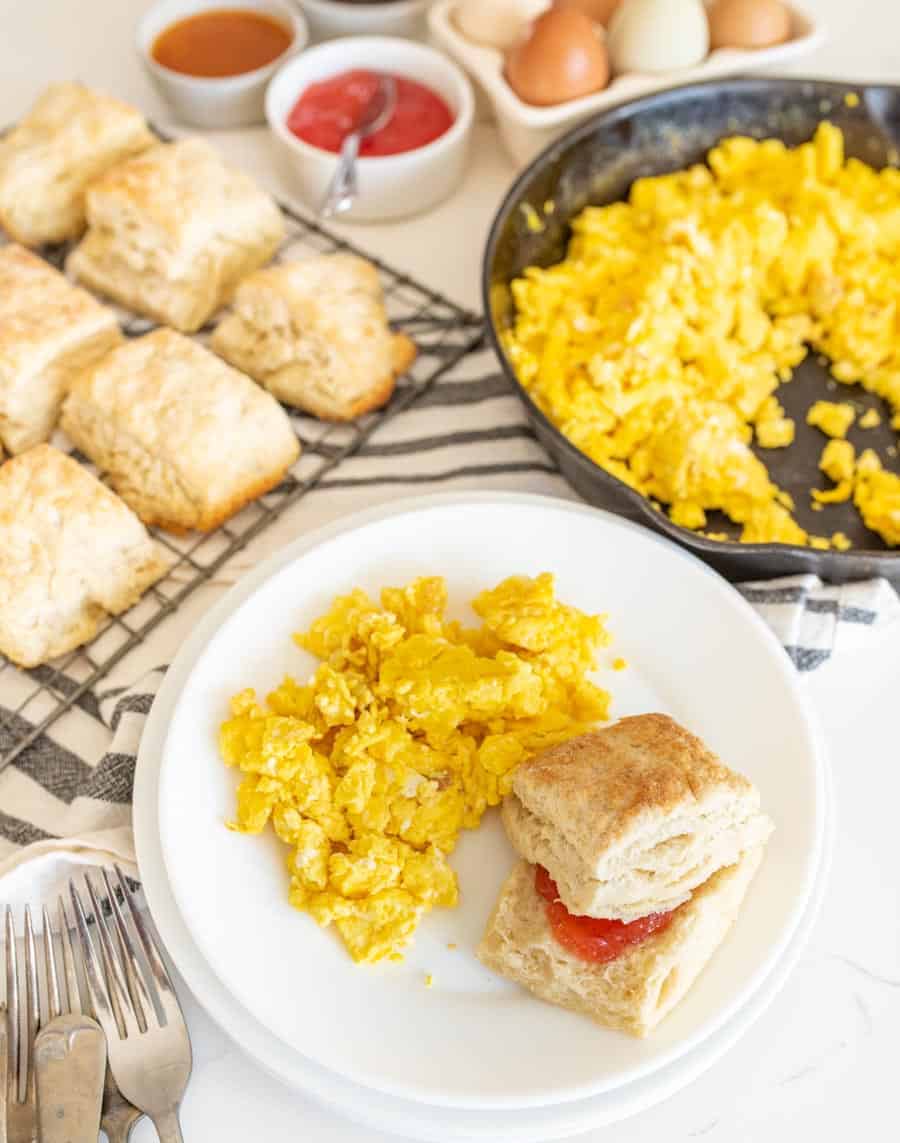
(595, 164)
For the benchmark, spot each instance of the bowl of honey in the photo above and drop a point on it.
(211, 60)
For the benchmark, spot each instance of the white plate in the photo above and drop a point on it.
(696, 649)
(383, 1112)
(377, 1111)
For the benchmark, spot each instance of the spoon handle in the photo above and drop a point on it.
(343, 188)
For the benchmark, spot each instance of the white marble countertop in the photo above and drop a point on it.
(822, 1062)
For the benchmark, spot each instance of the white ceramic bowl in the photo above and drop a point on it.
(390, 186)
(228, 101)
(526, 129)
(329, 19)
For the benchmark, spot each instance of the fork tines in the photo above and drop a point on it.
(142, 999)
(33, 997)
(134, 1000)
(23, 1015)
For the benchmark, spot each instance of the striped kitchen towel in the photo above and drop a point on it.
(71, 789)
(806, 614)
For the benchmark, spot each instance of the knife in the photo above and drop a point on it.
(70, 1068)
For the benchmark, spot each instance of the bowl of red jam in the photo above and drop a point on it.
(413, 162)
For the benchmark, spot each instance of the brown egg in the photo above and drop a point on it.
(748, 23)
(598, 10)
(561, 59)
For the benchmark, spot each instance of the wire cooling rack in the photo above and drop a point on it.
(32, 700)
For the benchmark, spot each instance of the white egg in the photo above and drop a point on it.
(496, 23)
(657, 35)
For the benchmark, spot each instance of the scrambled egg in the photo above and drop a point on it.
(410, 728)
(875, 493)
(877, 496)
(838, 462)
(658, 344)
(834, 418)
(870, 419)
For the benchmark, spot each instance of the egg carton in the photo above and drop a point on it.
(526, 129)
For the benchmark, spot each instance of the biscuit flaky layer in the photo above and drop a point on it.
(71, 553)
(172, 231)
(634, 992)
(315, 333)
(49, 331)
(183, 438)
(71, 136)
(631, 819)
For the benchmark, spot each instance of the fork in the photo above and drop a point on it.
(18, 1112)
(118, 1116)
(22, 1020)
(149, 1047)
(4, 1071)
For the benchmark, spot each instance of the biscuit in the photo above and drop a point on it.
(49, 330)
(630, 819)
(69, 137)
(315, 334)
(172, 231)
(71, 554)
(183, 438)
(634, 992)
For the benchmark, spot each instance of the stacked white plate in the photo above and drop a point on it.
(471, 1057)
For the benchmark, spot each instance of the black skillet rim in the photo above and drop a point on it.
(655, 518)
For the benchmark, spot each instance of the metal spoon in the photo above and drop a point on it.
(344, 185)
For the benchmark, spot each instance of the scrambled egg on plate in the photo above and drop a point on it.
(659, 343)
(409, 729)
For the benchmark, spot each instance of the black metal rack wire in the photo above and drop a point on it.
(443, 332)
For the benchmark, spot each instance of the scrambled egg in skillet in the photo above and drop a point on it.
(409, 729)
(658, 344)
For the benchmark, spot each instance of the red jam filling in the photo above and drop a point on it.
(327, 112)
(591, 938)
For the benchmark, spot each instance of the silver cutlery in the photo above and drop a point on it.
(148, 1046)
(69, 1059)
(4, 1072)
(344, 185)
(22, 1019)
(118, 1115)
(21, 1025)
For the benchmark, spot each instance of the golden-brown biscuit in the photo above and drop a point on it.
(49, 330)
(641, 986)
(630, 819)
(172, 231)
(183, 438)
(69, 137)
(71, 553)
(315, 334)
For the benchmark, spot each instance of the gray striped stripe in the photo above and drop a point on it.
(464, 392)
(130, 704)
(113, 779)
(61, 684)
(426, 444)
(19, 832)
(845, 614)
(773, 594)
(805, 658)
(59, 771)
(438, 477)
(795, 594)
